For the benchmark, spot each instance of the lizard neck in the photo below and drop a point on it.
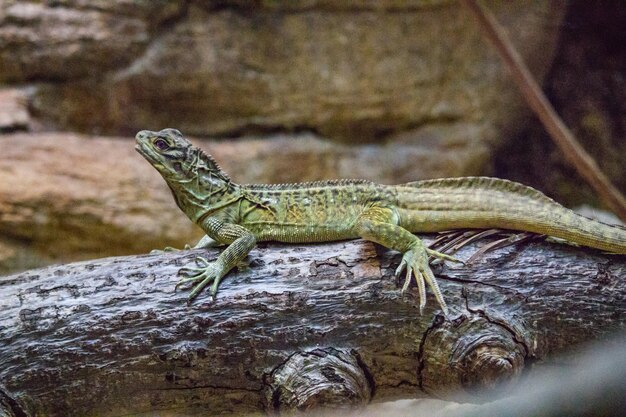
(204, 188)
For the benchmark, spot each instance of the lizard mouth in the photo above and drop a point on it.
(141, 148)
(144, 147)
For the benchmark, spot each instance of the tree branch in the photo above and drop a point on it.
(303, 327)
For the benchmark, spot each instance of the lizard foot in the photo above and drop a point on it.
(415, 261)
(205, 273)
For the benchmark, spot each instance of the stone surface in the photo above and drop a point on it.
(72, 197)
(71, 39)
(68, 196)
(13, 110)
(359, 73)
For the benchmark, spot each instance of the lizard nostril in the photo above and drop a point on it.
(142, 135)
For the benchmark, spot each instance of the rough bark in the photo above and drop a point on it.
(302, 327)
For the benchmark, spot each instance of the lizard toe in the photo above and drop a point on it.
(442, 256)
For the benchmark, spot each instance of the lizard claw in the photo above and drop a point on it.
(202, 262)
(443, 256)
(415, 261)
(400, 268)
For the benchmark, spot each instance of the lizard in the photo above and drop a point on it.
(239, 215)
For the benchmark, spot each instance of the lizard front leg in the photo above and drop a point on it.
(240, 241)
(379, 224)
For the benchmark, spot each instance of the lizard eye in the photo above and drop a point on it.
(161, 144)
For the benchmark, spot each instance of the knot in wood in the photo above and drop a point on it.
(490, 367)
(471, 358)
(319, 379)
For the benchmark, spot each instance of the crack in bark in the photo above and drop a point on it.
(10, 404)
(481, 313)
(404, 383)
(437, 320)
(473, 281)
(266, 375)
(217, 387)
(368, 375)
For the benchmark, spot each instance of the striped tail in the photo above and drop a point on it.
(482, 202)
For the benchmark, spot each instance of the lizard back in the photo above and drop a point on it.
(309, 212)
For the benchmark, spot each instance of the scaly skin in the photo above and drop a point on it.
(241, 215)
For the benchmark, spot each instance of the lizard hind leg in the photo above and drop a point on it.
(378, 225)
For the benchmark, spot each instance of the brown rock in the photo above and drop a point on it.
(13, 110)
(360, 74)
(7, 253)
(68, 39)
(71, 196)
(432, 151)
(75, 197)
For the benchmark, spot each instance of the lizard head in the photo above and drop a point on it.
(174, 156)
(168, 151)
(191, 174)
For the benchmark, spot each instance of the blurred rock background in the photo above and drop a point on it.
(280, 91)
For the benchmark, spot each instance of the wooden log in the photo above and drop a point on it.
(303, 327)
(588, 383)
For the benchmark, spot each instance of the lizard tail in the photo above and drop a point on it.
(482, 202)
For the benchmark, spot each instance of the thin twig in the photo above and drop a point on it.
(560, 134)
